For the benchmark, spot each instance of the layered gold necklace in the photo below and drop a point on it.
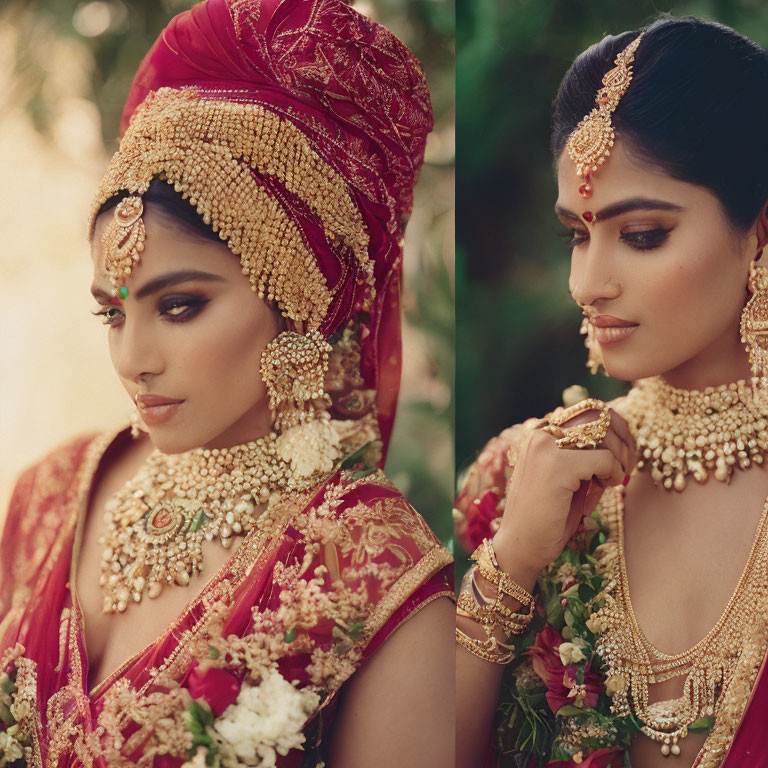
(156, 524)
(708, 667)
(690, 432)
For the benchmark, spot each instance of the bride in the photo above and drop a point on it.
(233, 581)
(616, 612)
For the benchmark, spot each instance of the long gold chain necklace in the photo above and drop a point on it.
(708, 666)
(690, 432)
(156, 524)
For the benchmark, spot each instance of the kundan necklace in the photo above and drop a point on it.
(709, 666)
(155, 525)
(683, 432)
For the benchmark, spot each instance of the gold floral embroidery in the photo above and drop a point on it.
(356, 562)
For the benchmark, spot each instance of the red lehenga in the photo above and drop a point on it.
(737, 738)
(313, 591)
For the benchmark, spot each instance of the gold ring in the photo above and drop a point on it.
(589, 435)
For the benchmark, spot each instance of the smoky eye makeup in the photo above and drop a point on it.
(646, 239)
(181, 307)
(574, 237)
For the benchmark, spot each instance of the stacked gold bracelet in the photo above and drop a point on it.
(491, 612)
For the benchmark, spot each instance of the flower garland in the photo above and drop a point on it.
(555, 709)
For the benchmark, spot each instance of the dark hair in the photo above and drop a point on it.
(162, 194)
(695, 107)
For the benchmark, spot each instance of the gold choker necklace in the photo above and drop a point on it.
(683, 432)
(155, 525)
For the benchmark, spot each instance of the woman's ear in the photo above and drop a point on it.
(761, 228)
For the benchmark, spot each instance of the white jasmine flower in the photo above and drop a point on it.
(10, 749)
(266, 720)
(570, 653)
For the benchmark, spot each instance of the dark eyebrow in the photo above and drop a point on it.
(159, 283)
(624, 206)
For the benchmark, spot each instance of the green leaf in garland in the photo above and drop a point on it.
(569, 710)
(361, 473)
(200, 712)
(290, 635)
(702, 725)
(213, 652)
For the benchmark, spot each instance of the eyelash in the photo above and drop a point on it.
(193, 304)
(643, 240)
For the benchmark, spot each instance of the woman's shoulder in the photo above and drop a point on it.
(363, 508)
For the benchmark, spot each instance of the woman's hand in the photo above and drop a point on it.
(552, 489)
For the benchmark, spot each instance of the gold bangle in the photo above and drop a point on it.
(489, 569)
(497, 604)
(491, 619)
(478, 648)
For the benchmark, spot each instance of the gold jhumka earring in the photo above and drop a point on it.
(293, 367)
(754, 327)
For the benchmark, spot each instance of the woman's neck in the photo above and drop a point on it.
(720, 363)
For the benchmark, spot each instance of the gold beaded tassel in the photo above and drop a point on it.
(754, 330)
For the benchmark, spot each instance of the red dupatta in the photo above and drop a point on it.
(310, 594)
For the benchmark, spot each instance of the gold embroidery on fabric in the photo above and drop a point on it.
(326, 609)
(206, 147)
(734, 701)
(304, 55)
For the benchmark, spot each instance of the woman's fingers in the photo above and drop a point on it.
(600, 463)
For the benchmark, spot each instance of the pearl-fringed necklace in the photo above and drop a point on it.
(690, 432)
(156, 524)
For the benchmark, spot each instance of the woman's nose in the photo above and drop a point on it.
(136, 352)
(593, 276)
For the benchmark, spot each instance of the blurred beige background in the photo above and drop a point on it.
(56, 379)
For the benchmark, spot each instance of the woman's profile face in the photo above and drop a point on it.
(191, 331)
(661, 260)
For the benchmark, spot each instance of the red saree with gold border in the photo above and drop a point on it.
(311, 592)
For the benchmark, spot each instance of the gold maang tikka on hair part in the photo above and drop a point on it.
(590, 143)
(123, 241)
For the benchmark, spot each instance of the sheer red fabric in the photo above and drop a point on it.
(311, 593)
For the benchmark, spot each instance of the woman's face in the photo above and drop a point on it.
(191, 331)
(662, 273)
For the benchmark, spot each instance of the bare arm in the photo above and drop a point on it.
(399, 707)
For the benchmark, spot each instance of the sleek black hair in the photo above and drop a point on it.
(696, 107)
(162, 194)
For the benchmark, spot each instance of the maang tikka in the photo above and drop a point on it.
(754, 326)
(293, 368)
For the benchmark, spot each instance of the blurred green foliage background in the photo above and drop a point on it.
(108, 38)
(518, 345)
